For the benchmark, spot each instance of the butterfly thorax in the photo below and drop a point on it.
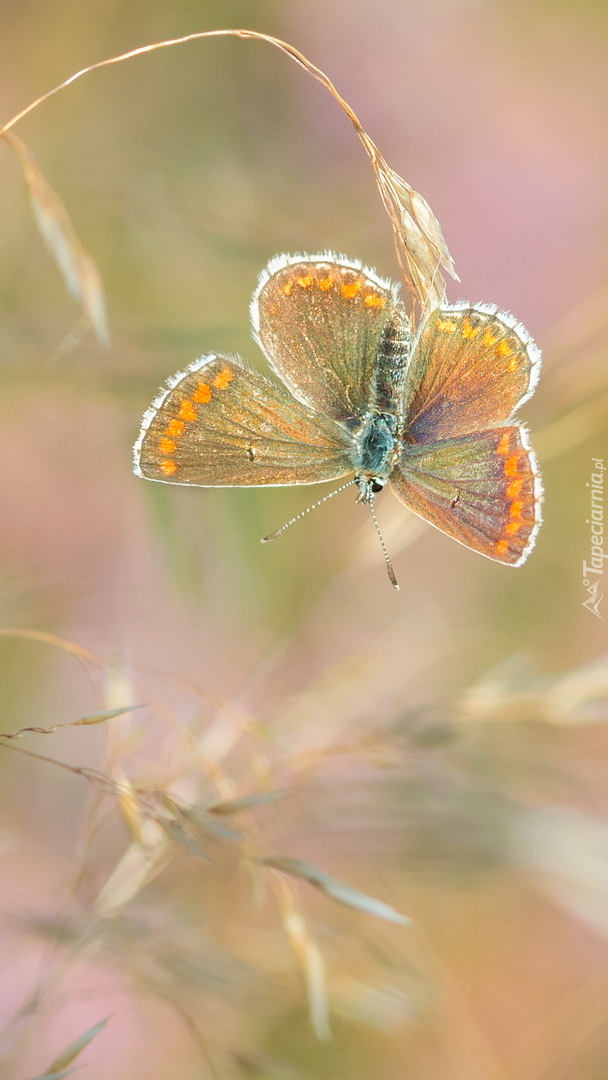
(376, 447)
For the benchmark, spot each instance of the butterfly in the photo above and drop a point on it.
(359, 395)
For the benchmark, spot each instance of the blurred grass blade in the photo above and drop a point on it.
(194, 818)
(135, 868)
(176, 832)
(309, 957)
(567, 851)
(316, 986)
(80, 275)
(207, 823)
(130, 808)
(511, 691)
(94, 718)
(236, 806)
(106, 714)
(335, 889)
(58, 1068)
(58, 1075)
(42, 636)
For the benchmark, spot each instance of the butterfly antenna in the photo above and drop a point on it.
(303, 513)
(389, 565)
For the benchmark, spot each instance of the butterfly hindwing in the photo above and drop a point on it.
(472, 366)
(320, 321)
(218, 423)
(482, 489)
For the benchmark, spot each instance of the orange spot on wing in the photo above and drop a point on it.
(222, 378)
(374, 300)
(516, 509)
(166, 446)
(501, 547)
(503, 445)
(305, 282)
(446, 325)
(468, 330)
(168, 467)
(350, 289)
(288, 288)
(489, 338)
(187, 411)
(175, 428)
(513, 527)
(514, 488)
(325, 283)
(505, 349)
(513, 364)
(511, 465)
(202, 394)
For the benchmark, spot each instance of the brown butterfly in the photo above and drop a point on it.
(430, 415)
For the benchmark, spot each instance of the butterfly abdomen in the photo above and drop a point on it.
(391, 363)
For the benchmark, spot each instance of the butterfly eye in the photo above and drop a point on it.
(376, 484)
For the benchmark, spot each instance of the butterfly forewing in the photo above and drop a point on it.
(481, 489)
(219, 423)
(472, 366)
(320, 320)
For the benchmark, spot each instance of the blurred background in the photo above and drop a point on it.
(442, 749)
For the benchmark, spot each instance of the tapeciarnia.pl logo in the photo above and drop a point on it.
(593, 571)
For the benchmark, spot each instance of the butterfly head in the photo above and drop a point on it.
(369, 486)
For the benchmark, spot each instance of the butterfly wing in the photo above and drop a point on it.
(217, 423)
(471, 368)
(482, 489)
(320, 319)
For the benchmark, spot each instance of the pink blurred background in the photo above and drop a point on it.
(443, 748)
